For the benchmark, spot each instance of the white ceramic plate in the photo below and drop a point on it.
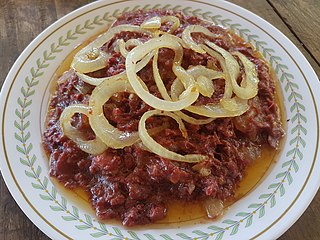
(265, 213)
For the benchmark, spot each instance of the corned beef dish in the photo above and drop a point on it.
(161, 107)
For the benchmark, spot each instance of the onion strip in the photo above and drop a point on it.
(156, 148)
(187, 38)
(97, 81)
(82, 61)
(95, 146)
(110, 135)
(244, 91)
(131, 62)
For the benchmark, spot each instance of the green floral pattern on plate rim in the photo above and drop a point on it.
(228, 227)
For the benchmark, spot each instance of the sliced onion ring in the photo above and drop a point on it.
(95, 146)
(110, 135)
(152, 23)
(228, 86)
(84, 64)
(193, 120)
(251, 80)
(131, 62)
(240, 106)
(174, 20)
(248, 88)
(187, 38)
(204, 77)
(155, 23)
(96, 81)
(156, 148)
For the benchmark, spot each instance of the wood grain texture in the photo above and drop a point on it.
(22, 20)
(265, 10)
(302, 17)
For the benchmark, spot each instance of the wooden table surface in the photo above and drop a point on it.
(22, 20)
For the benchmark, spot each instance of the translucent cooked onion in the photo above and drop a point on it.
(193, 120)
(157, 78)
(155, 23)
(174, 20)
(249, 84)
(211, 110)
(176, 39)
(204, 77)
(152, 23)
(214, 207)
(131, 62)
(97, 81)
(187, 38)
(197, 71)
(205, 86)
(110, 135)
(95, 146)
(240, 106)
(228, 86)
(124, 45)
(91, 58)
(249, 87)
(185, 89)
(156, 148)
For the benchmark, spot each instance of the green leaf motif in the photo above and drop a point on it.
(262, 211)
(38, 172)
(215, 228)
(82, 227)
(24, 162)
(75, 211)
(229, 221)
(184, 236)
(103, 227)
(45, 182)
(273, 185)
(133, 235)
(219, 236)
(64, 202)
(45, 197)
(273, 201)
(149, 236)
(254, 205)
(295, 166)
(242, 214)
(200, 233)
(166, 237)
(54, 193)
(37, 186)
(117, 231)
(249, 221)
(235, 229)
(98, 234)
(56, 208)
(280, 175)
(289, 178)
(282, 190)
(264, 196)
(88, 219)
(69, 218)
(30, 174)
